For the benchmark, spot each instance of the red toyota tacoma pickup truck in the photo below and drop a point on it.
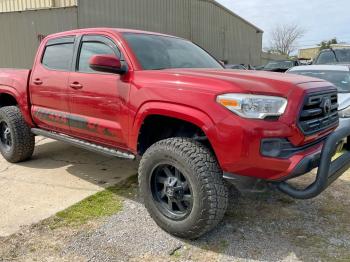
(128, 93)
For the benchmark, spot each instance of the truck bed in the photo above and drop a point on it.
(14, 82)
(14, 77)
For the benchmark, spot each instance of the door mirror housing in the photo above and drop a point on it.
(107, 64)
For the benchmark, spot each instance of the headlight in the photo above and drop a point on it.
(345, 113)
(253, 106)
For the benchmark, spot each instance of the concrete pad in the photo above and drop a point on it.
(57, 177)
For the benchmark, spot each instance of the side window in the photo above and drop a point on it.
(89, 49)
(58, 56)
(326, 58)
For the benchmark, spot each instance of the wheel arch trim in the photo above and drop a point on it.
(176, 111)
(22, 101)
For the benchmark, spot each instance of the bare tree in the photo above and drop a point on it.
(284, 38)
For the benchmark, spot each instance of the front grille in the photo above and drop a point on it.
(320, 112)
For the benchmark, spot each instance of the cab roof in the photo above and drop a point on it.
(105, 29)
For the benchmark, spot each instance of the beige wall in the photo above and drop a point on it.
(308, 53)
(21, 5)
(341, 46)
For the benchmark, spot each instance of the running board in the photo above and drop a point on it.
(83, 144)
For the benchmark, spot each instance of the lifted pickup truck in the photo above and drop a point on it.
(129, 93)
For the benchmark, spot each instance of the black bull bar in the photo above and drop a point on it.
(328, 170)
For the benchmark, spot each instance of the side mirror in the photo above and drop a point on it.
(107, 64)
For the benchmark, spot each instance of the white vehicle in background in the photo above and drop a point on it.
(339, 75)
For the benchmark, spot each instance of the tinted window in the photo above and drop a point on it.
(343, 55)
(90, 49)
(326, 58)
(161, 52)
(58, 57)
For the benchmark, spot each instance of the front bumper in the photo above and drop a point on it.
(328, 170)
(237, 146)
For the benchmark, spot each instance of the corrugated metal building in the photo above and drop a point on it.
(224, 34)
(23, 5)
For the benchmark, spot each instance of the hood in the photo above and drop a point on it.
(223, 80)
(343, 100)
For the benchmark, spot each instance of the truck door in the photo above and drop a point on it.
(98, 100)
(49, 85)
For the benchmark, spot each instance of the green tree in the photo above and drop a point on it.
(327, 44)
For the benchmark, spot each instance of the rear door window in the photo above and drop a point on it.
(58, 56)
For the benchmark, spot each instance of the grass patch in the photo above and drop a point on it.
(176, 254)
(102, 204)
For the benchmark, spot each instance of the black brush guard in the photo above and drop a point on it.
(328, 170)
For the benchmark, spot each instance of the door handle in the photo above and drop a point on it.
(76, 85)
(38, 82)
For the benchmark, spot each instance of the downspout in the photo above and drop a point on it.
(77, 6)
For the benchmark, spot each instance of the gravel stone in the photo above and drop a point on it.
(129, 234)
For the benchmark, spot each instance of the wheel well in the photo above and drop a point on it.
(7, 100)
(156, 128)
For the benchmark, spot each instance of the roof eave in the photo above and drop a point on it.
(258, 30)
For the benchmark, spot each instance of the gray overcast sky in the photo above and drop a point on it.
(322, 19)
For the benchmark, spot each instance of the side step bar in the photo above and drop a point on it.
(83, 144)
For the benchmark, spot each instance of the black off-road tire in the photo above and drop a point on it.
(23, 141)
(210, 194)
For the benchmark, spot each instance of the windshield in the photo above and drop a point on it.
(156, 52)
(279, 65)
(343, 55)
(340, 79)
(333, 56)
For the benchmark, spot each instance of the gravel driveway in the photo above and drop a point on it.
(264, 226)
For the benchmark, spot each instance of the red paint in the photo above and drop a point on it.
(109, 109)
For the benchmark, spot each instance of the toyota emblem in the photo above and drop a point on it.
(327, 106)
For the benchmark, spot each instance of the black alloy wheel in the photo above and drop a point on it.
(182, 187)
(5, 136)
(171, 191)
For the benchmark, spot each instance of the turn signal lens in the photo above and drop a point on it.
(227, 102)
